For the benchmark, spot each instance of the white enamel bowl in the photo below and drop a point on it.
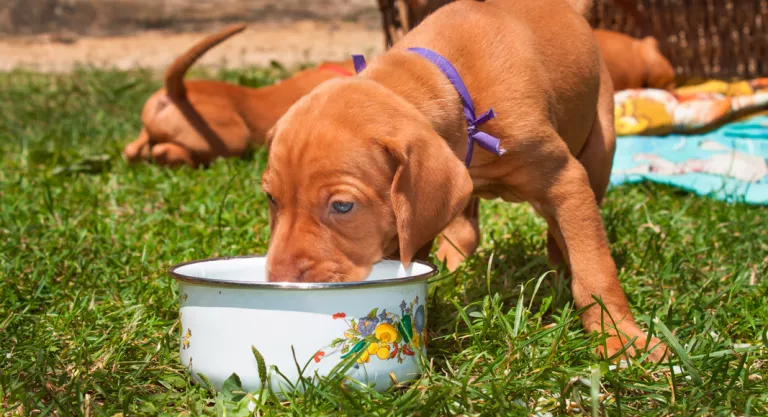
(227, 306)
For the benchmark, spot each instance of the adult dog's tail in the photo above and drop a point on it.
(174, 76)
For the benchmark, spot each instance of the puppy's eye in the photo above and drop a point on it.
(271, 199)
(342, 206)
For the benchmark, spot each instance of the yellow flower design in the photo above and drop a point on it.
(373, 349)
(185, 340)
(385, 335)
(383, 352)
(385, 332)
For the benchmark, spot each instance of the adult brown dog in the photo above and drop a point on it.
(635, 63)
(194, 122)
(363, 167)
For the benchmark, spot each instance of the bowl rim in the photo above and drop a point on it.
(187, 279)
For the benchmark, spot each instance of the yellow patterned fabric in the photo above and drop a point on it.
(688, 109)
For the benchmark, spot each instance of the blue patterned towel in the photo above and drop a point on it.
(728, 163)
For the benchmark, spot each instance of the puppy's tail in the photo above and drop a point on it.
(581, 6)
(174, 76)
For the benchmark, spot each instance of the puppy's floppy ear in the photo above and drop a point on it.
(269, 136)
(430, 187)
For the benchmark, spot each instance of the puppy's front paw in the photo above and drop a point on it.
(657, 351)
(447, 253)
(460, 238)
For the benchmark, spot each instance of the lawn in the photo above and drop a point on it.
(89, 320)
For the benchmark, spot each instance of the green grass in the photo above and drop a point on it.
(88, 318)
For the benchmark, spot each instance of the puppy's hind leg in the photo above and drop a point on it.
(564, 197)
(597, 159)
(597, 154)
(572, 212)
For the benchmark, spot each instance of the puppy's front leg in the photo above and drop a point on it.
(458, 241)
(461, 237)
(569, 206)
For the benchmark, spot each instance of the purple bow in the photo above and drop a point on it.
(486, 141)
(359, 62)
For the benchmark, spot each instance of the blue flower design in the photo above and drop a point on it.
(366, 325)
(383, 317)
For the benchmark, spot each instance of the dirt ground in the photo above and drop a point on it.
(289, 44)
(57, 35)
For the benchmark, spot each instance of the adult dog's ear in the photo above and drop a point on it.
(430, 187)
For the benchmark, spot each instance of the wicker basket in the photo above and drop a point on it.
(702, 38)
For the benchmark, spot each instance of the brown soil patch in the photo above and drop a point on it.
(57, 35)
(300, 42)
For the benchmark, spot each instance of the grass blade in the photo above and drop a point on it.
(679, 351)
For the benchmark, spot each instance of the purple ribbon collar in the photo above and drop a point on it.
(486, 141)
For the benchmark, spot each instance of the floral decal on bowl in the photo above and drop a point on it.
(185, 340)
(383, 335)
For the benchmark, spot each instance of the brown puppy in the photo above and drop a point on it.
(634, 63)
(367, 166)
(194, 122)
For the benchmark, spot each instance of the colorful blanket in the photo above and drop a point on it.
(728, 163)
(687, 109)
